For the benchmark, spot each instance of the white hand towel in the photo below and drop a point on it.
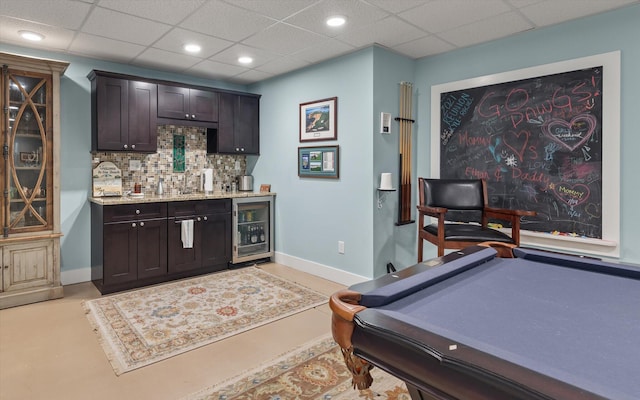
(186, 233)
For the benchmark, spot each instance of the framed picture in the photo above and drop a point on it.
(318, 162)
(319, 120)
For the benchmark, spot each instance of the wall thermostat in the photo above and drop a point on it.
(385, 122)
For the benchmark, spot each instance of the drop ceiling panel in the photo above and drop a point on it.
(175, 40)
(552, 11)
(279, 9)
(442, 15)
(389, 32)
(165, 60)
(169, 12)
(488, 29)
(57, 39)
(226, 22)
(119, 26)
(103, 48)
(284, 39)
(215, 70)
(60, 13)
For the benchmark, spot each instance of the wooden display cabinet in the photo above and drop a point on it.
(30, 179)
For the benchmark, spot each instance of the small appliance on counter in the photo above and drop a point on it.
(245, 183)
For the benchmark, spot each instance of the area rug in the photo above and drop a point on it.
(144, 326)
(315, 370)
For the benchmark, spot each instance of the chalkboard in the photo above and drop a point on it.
(537, 142)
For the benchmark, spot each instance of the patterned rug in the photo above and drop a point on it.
(144, 326)
(315, 370)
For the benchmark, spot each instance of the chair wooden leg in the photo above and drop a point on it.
(419, 249)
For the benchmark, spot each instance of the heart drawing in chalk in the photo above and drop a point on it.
(517, 140)
(572, 194)
(570, 134)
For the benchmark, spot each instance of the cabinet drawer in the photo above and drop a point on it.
(190, 208)
(129, 212)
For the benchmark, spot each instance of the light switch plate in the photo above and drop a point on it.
(385, 122)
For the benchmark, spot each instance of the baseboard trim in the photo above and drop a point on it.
(74, 276)
(80, 275)
(323, 271)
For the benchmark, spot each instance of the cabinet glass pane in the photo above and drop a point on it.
(27, 161)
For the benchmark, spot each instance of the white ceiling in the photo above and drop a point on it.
(280, 35)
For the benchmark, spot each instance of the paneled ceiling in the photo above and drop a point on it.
(280, 35)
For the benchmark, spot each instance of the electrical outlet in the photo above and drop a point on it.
(340, 247)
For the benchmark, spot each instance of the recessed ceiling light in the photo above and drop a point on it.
(29, 35)
(192, 48)
(337, 20)
(245, 60)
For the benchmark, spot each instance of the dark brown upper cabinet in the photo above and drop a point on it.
(239, 124)
(183, 103)
(123, 114)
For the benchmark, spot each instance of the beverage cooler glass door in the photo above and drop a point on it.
(253, 223)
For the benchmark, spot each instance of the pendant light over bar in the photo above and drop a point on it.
(405, 125)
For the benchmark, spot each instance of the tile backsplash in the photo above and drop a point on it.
(226, 168)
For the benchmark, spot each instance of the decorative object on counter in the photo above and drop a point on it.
(265, 188)
(385, 181)
(318, 162)
(137, 188)
(319, 120)
(178, 153)
(141, 327)
(107, 180)
(314, 370)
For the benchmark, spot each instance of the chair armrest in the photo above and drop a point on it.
(507, 213)
(432, 211)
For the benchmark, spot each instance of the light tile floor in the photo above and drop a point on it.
(49, 351)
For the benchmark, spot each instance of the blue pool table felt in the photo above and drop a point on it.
(581, 327)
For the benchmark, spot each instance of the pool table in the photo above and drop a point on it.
(471, 325)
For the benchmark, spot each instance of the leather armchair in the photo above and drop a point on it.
(437, 197)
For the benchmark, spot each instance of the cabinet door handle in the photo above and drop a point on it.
(133, 146)
(199, 219)
(126, 146)
(237, 149)
(137, 211)
(186, 116)
(133, 225)
(205, 218)
(141, 223)
(193, 116)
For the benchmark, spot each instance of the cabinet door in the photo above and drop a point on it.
(152, 248)
(112, 113)
(143, 121)
(216, 240)
(226, 125)
(120, 253)
(238, 124)
(247, 125)
(27, 265)
(203, 105)
(183, 259)
(173, 102)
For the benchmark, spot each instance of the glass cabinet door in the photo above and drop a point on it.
(28, 157)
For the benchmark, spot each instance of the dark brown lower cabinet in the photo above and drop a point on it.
(135, 245)
(211, 249)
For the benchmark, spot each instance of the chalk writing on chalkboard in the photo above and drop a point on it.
(538, 144)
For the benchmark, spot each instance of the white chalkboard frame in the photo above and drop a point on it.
(609, 245)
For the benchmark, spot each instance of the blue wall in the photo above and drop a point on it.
(312, 215)
(617, 30)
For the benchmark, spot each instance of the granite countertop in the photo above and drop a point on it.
(154, 198)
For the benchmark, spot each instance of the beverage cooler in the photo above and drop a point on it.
(253, 228)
